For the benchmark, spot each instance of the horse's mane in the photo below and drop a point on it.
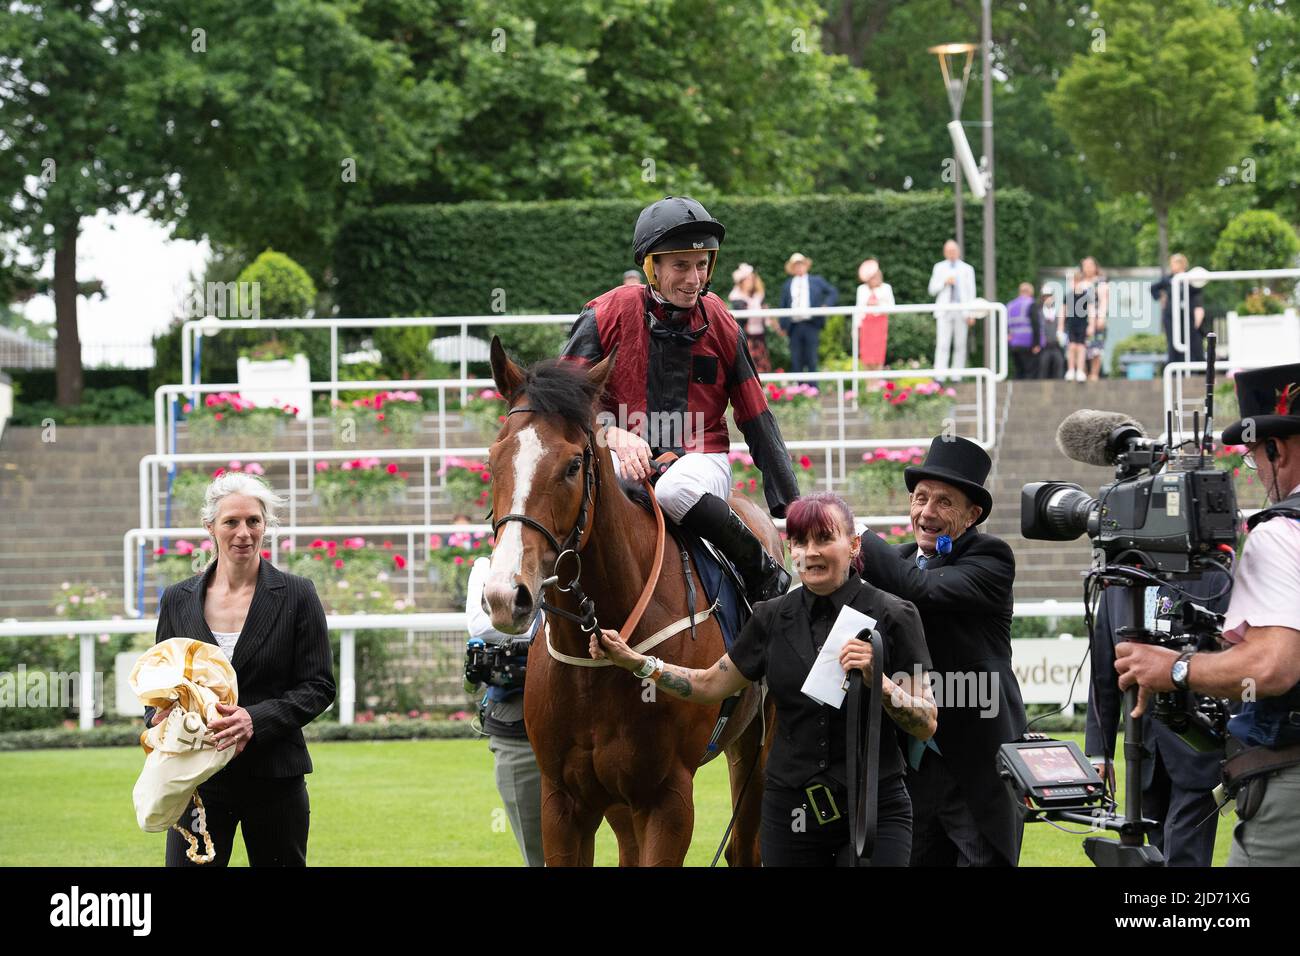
(557, 387)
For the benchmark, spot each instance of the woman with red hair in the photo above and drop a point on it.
(805, 798)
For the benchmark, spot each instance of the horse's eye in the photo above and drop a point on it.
(575, 466)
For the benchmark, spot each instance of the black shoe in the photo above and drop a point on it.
(712, 518)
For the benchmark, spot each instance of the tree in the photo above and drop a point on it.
(622, 98)
(1166, 105)
(239, 120)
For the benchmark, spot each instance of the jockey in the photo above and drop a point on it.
(681, 360)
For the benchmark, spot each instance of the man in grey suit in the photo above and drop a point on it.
(951, 280)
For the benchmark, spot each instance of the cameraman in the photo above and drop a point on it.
(1261, 666)
(1177, 781)
(518, 780)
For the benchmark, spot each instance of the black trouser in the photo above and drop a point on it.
(946, 831)
(1051, 363)
(1196, 352)
(1024, 363)
(1188, 817)
(790, 834)
(273, 813)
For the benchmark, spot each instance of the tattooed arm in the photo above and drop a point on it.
(700, 686)
(915, 713)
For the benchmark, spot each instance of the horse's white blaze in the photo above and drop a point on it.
(508, 555)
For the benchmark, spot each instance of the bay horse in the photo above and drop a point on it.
(607, 745)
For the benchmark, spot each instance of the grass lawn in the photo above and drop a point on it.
(391, 803)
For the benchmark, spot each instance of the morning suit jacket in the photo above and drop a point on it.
(820, 292)
(965, 602)
(777, 643)
(282, 661)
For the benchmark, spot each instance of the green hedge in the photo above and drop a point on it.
(464, 259)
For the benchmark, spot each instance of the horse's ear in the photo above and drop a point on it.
(599, 373)
(507, 374)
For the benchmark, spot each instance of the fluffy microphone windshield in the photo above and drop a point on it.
(1090, 436)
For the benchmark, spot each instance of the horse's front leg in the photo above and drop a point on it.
(568, 828)
(664, 828)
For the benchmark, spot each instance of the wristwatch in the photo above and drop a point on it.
(1178, 673)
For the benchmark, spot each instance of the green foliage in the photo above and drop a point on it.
(1257, 239)
(1173, 73)
(554, 257)
(1142, 342)
(118, 405)
(285, 290)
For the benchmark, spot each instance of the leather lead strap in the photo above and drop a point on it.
(864, 780)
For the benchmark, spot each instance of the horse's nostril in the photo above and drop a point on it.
(523, 600)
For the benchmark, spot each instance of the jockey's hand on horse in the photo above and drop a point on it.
(856, 655)
(633, 453)
(611, 645)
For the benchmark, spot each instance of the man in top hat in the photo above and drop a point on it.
(682, 362)
(960, 580)
(804, 291)
(1261, 665)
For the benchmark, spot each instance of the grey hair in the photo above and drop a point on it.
(238, 483)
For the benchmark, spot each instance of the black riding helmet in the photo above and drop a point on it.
(675, 224)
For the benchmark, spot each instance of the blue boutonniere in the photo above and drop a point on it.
(943, 545)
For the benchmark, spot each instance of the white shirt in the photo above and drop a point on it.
(799, 296)
(226, 640)
(963, 290)
(1268, 580)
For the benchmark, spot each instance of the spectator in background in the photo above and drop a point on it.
(872, 328)
(1085, 321)
(951, 280)
(804, 291)
(1096, 349)
(631, 277)
(1162, 292)
(1021, 339)
(747, 293)
(1049, 325)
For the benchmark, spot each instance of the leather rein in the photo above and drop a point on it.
(577, 540)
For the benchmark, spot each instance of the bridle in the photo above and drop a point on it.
(573, 542)
(576, 540)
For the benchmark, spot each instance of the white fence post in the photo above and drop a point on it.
(86, 705)
(347, 676)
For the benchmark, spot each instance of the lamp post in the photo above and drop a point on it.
(949, 54)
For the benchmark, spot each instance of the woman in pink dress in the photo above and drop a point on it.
(747, 293)
(872, 328)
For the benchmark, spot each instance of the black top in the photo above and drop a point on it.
(781, 641)
(282, 661)
(1193, 298)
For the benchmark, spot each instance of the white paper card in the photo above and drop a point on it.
(825, 682)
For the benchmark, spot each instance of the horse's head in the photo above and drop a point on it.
(543, 466)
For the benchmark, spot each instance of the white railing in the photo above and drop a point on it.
(983, 411)
(347, 625)
(1183, 399)
(211, 326)
(134, 558)
(1181, 301)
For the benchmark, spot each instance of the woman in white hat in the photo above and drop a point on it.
(747, 293)
(872, 328)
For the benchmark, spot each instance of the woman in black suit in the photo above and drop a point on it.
(805, 797)
(272, 627)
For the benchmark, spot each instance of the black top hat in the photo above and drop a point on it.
(1269, 400)
(957, 461)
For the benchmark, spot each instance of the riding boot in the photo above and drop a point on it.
(712, 518)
